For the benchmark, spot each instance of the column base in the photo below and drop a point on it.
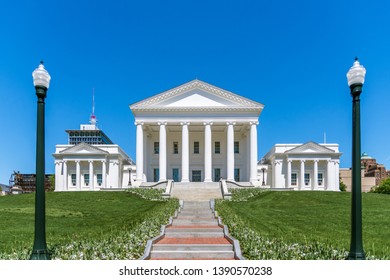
(184, 181)
(208, 181)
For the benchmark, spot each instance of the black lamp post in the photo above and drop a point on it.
(41, 82)
(263, 183)
(355, 78)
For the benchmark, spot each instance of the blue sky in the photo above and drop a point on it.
(292, 56)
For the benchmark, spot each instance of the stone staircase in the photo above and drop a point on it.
(194, 234)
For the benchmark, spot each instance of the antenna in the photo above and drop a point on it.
(93, 120)
(324, 137)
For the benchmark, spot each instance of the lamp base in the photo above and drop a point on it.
(356, 256)
(40, 255)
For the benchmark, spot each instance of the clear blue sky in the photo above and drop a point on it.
(292, 56)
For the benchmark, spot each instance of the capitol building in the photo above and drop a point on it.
(196, 132)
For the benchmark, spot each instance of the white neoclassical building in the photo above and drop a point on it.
(90, 161)
(196, 133)
(308, 166)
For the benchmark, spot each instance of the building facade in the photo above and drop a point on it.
(308, 166)
(90, 161)
(196, 133)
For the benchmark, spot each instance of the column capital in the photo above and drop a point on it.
(77, 161)
(316, 160)
(289, 160)
(139, 123)
(185, 123)
(230, 123)
(90, 161)
(254, 123)
(303, 160)
(162, 123)
(208, 123)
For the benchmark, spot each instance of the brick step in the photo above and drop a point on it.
(192, 255)
(192, 247)
(193, 240)
(193, 234)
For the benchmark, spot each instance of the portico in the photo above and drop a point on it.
(196, 132)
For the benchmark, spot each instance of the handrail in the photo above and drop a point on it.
(238, 185)
(155, 185)
(224, 189)
(168, 188)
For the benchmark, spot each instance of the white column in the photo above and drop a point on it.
(328, 176)
(230, 151)
(185, 152)
(104, 173)
(336, 186)
(277, 169)
(207, 152)
(140, 152)
(288, 181)
(114, 174)
(253, 151)
(315, 183)
(78, 175)
(91, 177)
(163, 152)
(65, 174)
(302, 176)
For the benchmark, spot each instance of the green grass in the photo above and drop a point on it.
(304, 217)
(70, 216)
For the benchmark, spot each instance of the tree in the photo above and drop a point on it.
(384, 187)
(342, 187)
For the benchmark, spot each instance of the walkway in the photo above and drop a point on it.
(194, 233)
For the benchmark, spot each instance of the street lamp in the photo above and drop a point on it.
(263, 183)
(355, 78)
(41, 80)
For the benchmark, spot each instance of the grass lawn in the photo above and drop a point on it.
(70, 215)
(300, 217)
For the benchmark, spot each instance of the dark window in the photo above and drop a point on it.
(237, 174)
(156, 147)
(73, 176)
(293, 179)
(196, 147)
(86, 179)
(175, 147)
(236, 147)
(99, 179)
(217, 147)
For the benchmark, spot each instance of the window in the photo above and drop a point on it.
(99, 179)
(237, 174)
(320, 179)
(196, 175)
(156, 147)
(293, 179)
(196, 147)
(156, 174)
(217, 148)
(175, 147)
(73, 176)
(236, 147)
(86, 179)
(307, 179)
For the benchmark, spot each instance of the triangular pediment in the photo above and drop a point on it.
(84, 149)
(193, 95)
(310, 148)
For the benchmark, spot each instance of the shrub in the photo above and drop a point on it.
(384, 187)
(342, 187)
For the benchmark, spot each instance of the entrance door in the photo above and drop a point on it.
(175, 174)
(196, 175)
(217, 174)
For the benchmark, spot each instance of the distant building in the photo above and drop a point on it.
(374, 169)
(26, 183)
(346, 178)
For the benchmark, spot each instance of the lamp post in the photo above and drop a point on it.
(263, 183)
(41, 80)
(355, 78)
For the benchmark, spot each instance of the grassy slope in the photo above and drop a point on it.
(69, 214)
(321, 216)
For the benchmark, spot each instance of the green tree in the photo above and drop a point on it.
(384, 187)
(342, 187)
